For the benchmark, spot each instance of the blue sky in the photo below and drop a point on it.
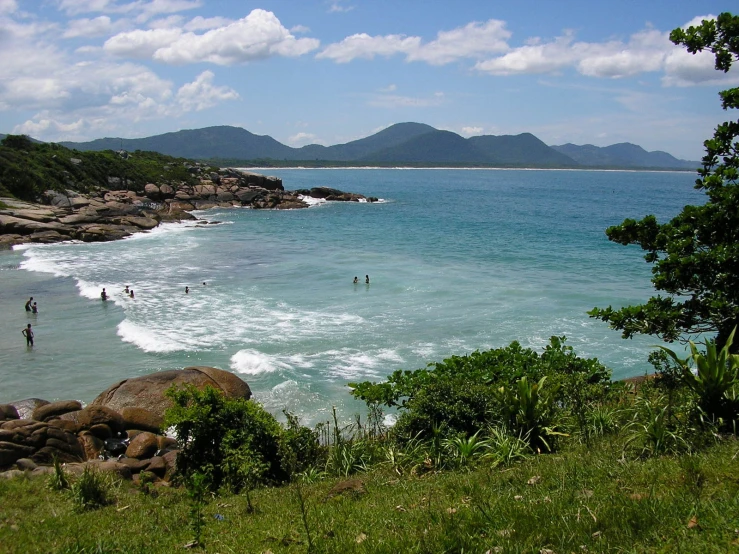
(332, 71)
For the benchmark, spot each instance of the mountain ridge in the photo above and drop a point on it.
(409, 143)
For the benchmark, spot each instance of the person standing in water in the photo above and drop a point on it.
(187, 290)
(28, 304)
(103, 295)
(366, 279)
(127, 291)
(131, 294)
(28, 333)
(356, 280)
(34, 308)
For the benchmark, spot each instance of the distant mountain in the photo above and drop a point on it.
(625, 155)
(402, 143)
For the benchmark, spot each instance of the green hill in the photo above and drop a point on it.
(27, 168)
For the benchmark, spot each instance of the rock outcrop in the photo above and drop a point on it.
(113, 214)
(141, 401)
(120, 431)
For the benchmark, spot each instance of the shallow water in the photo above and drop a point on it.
(458, 260)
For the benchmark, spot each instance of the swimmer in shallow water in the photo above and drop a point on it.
(366, 279)
(28, 333)
(356, 280)
(131, 294)
(187, 290)
(103, 295)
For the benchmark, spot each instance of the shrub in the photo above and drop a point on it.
(462, 395)
(234, 441)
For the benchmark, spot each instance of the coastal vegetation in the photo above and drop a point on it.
(504, 450)
(29, 168)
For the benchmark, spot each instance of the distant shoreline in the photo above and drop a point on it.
(405, 168)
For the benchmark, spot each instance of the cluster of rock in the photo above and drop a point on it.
(120, 431)
(114, 214)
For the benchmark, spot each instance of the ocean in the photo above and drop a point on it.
(458, 261)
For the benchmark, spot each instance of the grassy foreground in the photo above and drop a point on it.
(582, 499)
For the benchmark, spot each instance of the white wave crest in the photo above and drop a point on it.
(148, 340)
(253, 362)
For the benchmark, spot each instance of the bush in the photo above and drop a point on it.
(462, 395)
(235, 442)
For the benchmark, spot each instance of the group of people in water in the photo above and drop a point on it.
(366, 279)
(31, 307)
(128, 291)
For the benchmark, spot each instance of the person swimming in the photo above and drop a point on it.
(130, 294)
(356, 280)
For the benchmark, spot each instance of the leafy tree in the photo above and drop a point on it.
(696, 254)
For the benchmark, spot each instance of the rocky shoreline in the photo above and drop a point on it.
(120, 431)
(115, 212)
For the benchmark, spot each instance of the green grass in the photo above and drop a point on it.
(581, 499)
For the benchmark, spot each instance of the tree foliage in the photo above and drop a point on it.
(29, 168)
(696, 254)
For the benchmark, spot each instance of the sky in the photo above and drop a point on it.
(332, 71)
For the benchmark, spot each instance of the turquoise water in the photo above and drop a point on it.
(458, 260)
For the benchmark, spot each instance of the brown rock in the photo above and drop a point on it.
(158, 466)
(135, 465)
(55, 409)
(8, 411)
(140, 418)
(25, 408)
(101, 431)
(65, 424)
(19, 423)
(167, 443)
(170, 458)
(46, 455)
(143, 446)
(10, 452)
(95, 415)
(152, 191)
(167, 191)
(25, 464)
(147, 392)
(91, 445)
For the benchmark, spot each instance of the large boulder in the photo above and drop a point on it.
(88, 417)
(55, 409)
(147, 392)
(26, 407)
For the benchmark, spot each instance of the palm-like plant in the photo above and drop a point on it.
(716, 376)
(464, 450)
(528, 411)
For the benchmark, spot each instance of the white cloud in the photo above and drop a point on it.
(365, 46)
(8, 6)
(471, 131)
(96, 27)
(201, 94)
(470, 41)
(396, 101)
(301, 139)
(646, 51)
(389, 88)
(337, 7)
(200, 23)
(140, 44)
(259, 35)
(169, 22)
